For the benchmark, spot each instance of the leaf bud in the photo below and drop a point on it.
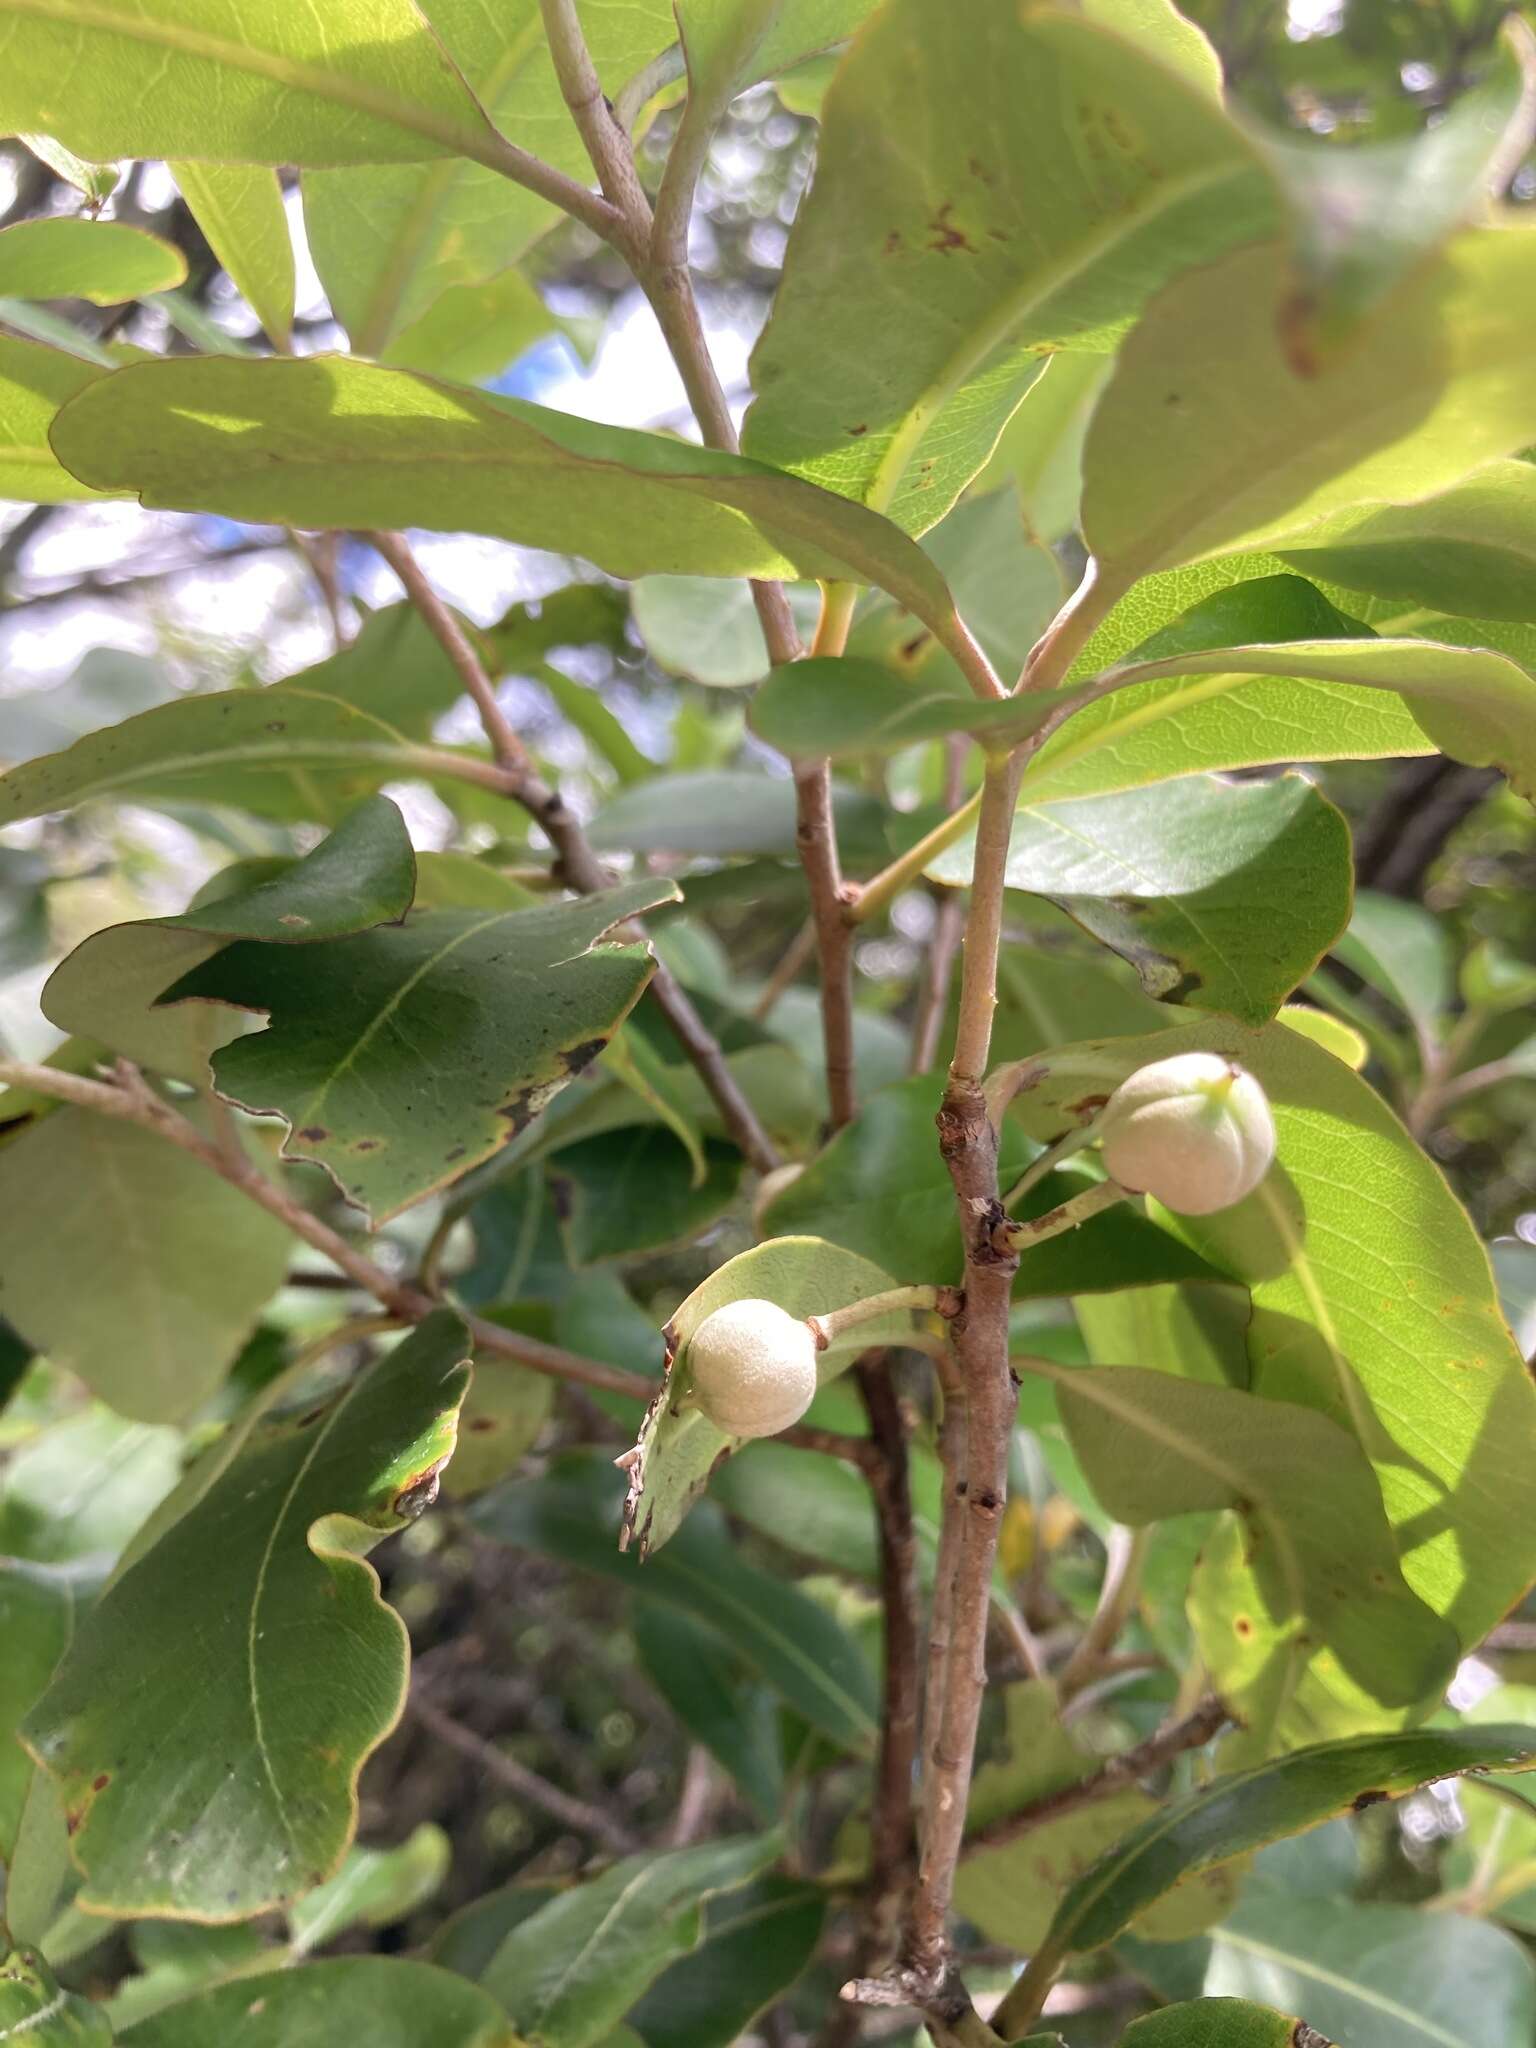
(753, 1367)
(1195, 1131)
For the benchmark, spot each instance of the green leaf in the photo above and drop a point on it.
(1373, 1303)
(177, 1959)
(94, 182)
(239, 208)
(129, 1263)
(1469, 550)
(729, 811)
(373, 1888)
(1011, 1891)
(387, 2001)
(1244, 1810)
(335, 442)
(103, 261)
(841, 705)
(1376, 1976)
(34, 383)
(707, 629)
(1041, 448)
(572, 1970)
(931, 262)
(1154, 731)
(82, 1487)
(1221, 895)
(1221, 2023)
(1475, 704)
(40, 1606)
(679, 1447)
(474, 331)
(400, 249)
(703, 1685)
(1206, 440)
(794, 1644)
(364, 83)
(1403, 951)
(634, 1190)
(364, 874)
(881, 1190)
(501, 1006)
(502, 1416)
(756, 1943)
(1364, 218)
(32, 2003)
(1321, 1553)
(266, 1576)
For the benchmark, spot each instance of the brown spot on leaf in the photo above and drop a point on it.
(314, 1133)
(1087, 1105)
(292, 917)
(893, 242)
(477, 1425)
(1243, 1627)
(1371, 1798)
(101, 1781)
(575, 1057)
(418, 1494)
(946, 237)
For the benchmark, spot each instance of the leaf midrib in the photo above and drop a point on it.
(1377, 2001)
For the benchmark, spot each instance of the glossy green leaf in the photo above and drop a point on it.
(1010, 1892)
(1375, 1975)
(474, 331)
(104, 261)
(502, 1006)
(728, 811)
(363, 874)
(1373, 1303)
(82, 1487)
(705, 1687)
(1154, 731)
(33, 2004)
(385, 2000)
(40, 1607)
(830, 705)
(129, 1263)
(881, 1190)
(396, 246)
(1243, 1811)
(504, 1412)
(330, 441)
(793, 1643)
(239, 208)
(1221, 2023)
(94, 182)
(1403, 951)
(679, 1447)
(1475, 704)
(289, 1669)
(1469, 550)
(365, 82)
(572, 1970)
(1206, 439)
(634, 1190)
(1322, 1555)
(707, 629)
(1041, 448)
(1364, 218)
(34, 383)
(178, 1959)
(931, 262)
(756, 1942)
(1221, 895)
(373, 1888)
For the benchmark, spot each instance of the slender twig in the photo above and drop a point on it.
(984, 925)
(520, 1780)
(606, 143)
(938, 973)
(795, 956)
(695, 1798)
(1104, 1194)
(893, 1845)
(1126, 1553)
(578, 864)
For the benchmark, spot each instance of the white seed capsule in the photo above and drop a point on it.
(1195, 1131)
(753, 1367)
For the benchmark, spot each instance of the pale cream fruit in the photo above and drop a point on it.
(1195, 1131)
(753, 1367)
